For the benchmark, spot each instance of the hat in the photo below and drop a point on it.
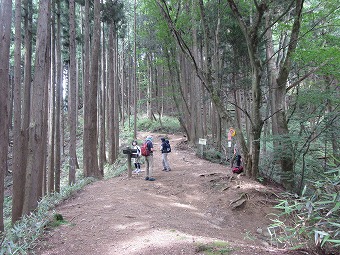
(149, 138)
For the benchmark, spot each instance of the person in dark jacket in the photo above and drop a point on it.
(165, 149)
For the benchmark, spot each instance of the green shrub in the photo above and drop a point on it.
(315, 215)
(165, 125)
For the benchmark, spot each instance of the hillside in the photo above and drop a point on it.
(193, 208)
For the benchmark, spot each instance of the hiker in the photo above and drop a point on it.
(236, 156)
(147, 152)
(165, 149)
(136, 157)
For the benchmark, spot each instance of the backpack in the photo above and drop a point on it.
(238, 169)
(167, 146)
(145, 149)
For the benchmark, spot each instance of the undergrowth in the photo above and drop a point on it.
(165, 124)
(215, 248)
(21, 237)
(315, 215)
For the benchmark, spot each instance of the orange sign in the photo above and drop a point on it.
(231, 133)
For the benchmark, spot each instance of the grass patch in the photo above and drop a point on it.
(58, 220)
(215, 248)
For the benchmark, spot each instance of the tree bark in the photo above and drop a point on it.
(35, 161)
(72, 111)
(18, 163)
(90, 107)
(59, 92)
(5, 34)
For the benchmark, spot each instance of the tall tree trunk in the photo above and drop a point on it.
(287, 156)
(51, 118)
(59, 92)
(18, 198)
(111, 102)
(102, 105)
(135, 72)
(35, 161)
(116, 96)
(72, 111)
(18, 173)
(90, 107)
(149, 87)
(5, 35)
(278, 81)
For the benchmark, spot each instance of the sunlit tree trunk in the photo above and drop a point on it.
(58, 110)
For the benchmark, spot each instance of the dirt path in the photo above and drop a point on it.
(175, 214)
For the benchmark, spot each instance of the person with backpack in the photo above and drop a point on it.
(237, 156)
(136, 157)
(147, 152)
(165, 149)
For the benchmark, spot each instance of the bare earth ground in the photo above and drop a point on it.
(183, 209)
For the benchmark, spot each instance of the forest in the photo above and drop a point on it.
(80, 78)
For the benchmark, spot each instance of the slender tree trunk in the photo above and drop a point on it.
(35, 161)
(90, 108)
(18, 199)
(102, 106)
(58, 106)
(116, 97)
(135, 72)
(18, 169)
(149, 87)
(51, 120)
(72, 111)
(111, 102)
(5, 34)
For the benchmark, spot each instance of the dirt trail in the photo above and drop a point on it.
(176, 214)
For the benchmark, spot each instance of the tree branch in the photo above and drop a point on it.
(293, 85)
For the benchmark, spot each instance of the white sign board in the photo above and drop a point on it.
(202, 141)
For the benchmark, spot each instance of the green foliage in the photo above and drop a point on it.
(213, 155)
(22, 236)
(167, 125)
(215, 248)
(57, 220)
(315, 215)
(119, 167)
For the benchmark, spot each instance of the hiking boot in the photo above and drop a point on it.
(147, 178)
(164, 169)
(152, 179)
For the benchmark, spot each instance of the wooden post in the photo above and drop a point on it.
(129, 166)
(129, 153)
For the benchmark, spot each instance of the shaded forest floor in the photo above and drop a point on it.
(197, 208)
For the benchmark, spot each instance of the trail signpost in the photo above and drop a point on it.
(130, 154)
(202, 142)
